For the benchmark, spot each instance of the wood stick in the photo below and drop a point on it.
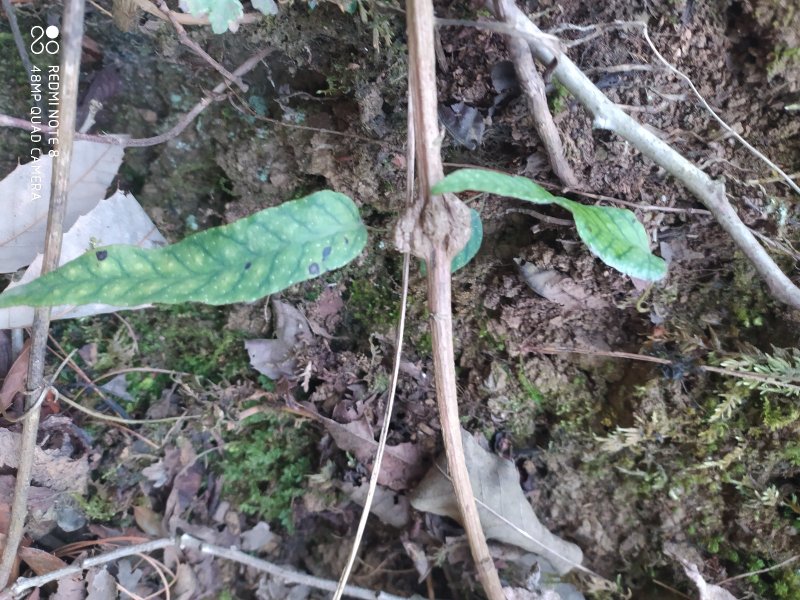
(436, 228)
(69, 72)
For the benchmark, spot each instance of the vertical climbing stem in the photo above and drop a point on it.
(440, 229)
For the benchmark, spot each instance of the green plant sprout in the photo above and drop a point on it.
(612, 234)
(299, 240)
(241, 262)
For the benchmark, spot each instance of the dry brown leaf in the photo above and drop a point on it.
(186, 483)
(401, 465)
(101, 585)
(558, 288)
(275, 358)
(259, 539)
(41, 503)
(186, 583)
(71, 587)
(14, 382)
(391, 508)
(39, 561)
(24, 208)
(53, 468)
(505, 513)
(127, 576)
(149, 521)
(417, 555)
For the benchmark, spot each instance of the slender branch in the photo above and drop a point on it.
(398, 354)
(662, 361)
(69, 72)
(757, 153)
(436, 228)
(532, 85)
(607, 115)
(194, 47)
(177, 129)
(289, 575)
(188, 542)
(780, 565)
(26, 583)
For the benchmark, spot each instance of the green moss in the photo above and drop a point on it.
(192, 338)
(784, 58)
(265, 466)
(97, 507)
(373, 304)
(558, 99)
(749, 302)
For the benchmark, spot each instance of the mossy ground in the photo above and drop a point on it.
(627, 460)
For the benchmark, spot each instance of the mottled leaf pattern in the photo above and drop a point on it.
(473, 245)
(492, 182)
(241, 262)
(617, 238)
(614, 235)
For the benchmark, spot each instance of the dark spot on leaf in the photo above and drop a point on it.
(247, 265)
(347, 241)
(101, 254)
(313, 268)
(326, 252)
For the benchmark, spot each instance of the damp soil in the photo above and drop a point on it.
(628, 459)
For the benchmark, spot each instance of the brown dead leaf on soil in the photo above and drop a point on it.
(149, 521)
(505, 513)
(402, 463)
(101, 584)
(275, 358)
(71, 587)
(39, 561)
(53, 468)
(14, 383)
(558, 288)
(391, 508)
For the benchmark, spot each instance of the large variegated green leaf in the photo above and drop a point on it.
(240, 262)
(612, 234)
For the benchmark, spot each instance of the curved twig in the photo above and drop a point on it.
(177, 129)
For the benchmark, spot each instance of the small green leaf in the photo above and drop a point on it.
(617, 238)
(492, 182)
(222, 14)
(241, 262)
(473, 245)
(614, 235)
